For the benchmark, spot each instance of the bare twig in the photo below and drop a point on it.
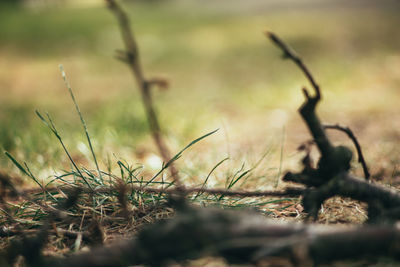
(307, 110)
(289, 53)
(356, 144)
(289, 192)
(133, 60)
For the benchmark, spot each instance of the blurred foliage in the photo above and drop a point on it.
(11, 2)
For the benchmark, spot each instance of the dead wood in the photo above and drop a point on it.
(330, 177)
(353, 138)
(287, 192)
(240, 237)
(131, 57)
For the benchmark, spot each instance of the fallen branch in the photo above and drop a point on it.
(240, 237)
(288, 192)
(131, 57)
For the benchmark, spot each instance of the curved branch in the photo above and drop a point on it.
(356, 144)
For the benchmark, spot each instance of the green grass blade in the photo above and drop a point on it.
(208, 176)
(33, 177)
(50, 124)
(121, 167)
(16, 163)
(129, 169)
(229, 181)
(238, 179)
(27, 172)
(82, 120)
(37, 181)
(177, 156)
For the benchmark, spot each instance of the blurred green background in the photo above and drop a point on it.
(223, 73)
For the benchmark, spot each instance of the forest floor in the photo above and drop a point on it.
(223, 74)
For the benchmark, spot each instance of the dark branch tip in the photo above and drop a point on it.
(270, 35)
(306, 94)
(275, 39)
(317, 92)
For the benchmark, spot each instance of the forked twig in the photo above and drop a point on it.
(132, 58)
(356, 144)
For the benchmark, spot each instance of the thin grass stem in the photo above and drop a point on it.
(82, 120)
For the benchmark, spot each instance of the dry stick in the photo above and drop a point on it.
(289, 53)
(307, 110)
(288, 192)
(356, 144)
(27, 193)
(332, 178)
(334, 161)
(240, 237)
(133, 60)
